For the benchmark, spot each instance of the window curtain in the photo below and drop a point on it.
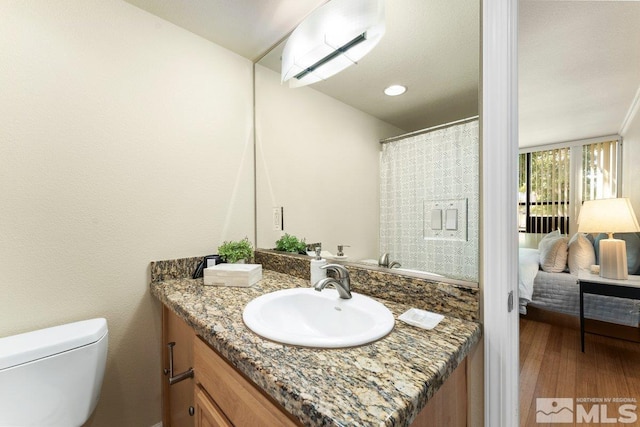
(599, 171)
(546, 190)
(554, 182)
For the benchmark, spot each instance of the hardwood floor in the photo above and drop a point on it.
(552, 366)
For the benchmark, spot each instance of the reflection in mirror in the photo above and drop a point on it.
(429, 201)
(335, 36)
(318, 150)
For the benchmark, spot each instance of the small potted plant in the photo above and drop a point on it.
(236, 251)
(289, 243)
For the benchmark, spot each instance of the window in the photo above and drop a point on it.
(544, 190)
(554, 182)
(599, 171)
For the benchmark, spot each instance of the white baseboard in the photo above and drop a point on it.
(157, 425)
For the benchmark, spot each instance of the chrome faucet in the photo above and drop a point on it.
(342, 282)
(384, 261)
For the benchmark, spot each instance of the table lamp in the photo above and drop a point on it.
(609, 216)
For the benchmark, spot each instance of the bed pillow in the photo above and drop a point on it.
(553, 235)
(581, 255)
(632, 241)
(553, 252)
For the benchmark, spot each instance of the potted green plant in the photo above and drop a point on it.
(236, 251)
(289, 243)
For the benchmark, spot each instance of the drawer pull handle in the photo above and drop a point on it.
(178, 377)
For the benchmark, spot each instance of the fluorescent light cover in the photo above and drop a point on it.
(395, 90)
(334, 37)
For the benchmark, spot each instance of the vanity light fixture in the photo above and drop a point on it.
(395, 90)
(333, 37)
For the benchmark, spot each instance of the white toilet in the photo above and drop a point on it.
(52, 377)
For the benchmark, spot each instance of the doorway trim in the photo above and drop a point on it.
(499, 233)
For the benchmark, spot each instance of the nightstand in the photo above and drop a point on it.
(594, 284)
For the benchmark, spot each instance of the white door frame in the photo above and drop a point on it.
(499, 233)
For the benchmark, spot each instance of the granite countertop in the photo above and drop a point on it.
(384, 383)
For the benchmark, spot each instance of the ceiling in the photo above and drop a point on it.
(247, 27)
(579, 61)
(430, 46)
(579, 68)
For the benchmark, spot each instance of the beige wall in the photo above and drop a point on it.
(319, 159)
(630, 169)
(124, 139)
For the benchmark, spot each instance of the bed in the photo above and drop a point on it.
(558, 291)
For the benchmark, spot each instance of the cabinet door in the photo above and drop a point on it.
(177, 398)
(236, 396)
(207, 413)
(448, 407)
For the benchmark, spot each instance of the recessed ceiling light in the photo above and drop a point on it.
(395, 90)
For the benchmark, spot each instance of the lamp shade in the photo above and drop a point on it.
(607, 216)
(333, 37)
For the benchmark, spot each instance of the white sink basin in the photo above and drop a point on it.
(306, 317)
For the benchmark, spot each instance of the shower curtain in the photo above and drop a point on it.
(415, 172)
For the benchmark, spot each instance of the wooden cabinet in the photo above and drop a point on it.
(221, 396)
(207, 413)
(177, 399)
(231, 394)
(448, 407)
(218, 395)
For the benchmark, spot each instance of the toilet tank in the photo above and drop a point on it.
(52, 377)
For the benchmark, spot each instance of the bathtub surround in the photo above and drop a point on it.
(392, 378)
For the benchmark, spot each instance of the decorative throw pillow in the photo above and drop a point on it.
(553, 252)
(581, 253)
(553, 235)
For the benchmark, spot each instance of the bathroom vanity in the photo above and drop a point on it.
(411, 376)
(218, 394)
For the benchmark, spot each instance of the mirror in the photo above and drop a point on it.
(318, 150)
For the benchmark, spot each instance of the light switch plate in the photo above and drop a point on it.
(452, 220)
(277, 218)
(436, 219)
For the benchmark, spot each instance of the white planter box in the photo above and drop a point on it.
(243, 275)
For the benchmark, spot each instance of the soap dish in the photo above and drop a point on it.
(421, 318)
